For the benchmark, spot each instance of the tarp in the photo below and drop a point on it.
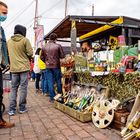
(133, 51)
(126, 51)
(118, 53)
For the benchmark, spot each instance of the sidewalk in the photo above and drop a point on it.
(44, 122)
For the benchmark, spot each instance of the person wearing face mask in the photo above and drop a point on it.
(4, 63)
(20, 54)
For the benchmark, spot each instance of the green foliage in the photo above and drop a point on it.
(121, 86)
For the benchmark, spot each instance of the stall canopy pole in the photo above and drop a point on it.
(124, 36)
(73, 37)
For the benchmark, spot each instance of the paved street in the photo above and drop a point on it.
(44, 122)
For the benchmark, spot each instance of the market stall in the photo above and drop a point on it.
(106, 71)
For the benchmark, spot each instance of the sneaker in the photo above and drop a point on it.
(23, 111)
(46, 94)
(11, 113)
(4, 124)
(51, 101)
(38, 91)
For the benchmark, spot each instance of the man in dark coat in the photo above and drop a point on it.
(3, 63)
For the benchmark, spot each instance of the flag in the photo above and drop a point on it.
(39, 36)
(113, 42)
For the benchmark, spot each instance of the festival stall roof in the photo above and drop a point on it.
(84, 25)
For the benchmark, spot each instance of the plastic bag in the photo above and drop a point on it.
(36, 68)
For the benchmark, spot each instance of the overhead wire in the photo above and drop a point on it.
(53, 6)
(51, 18)
(11, 18)
(28, 27)
(25, 9)
(29, 21)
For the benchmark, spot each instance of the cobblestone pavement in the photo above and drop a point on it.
(44, 122)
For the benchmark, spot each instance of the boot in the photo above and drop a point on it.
(4, 124)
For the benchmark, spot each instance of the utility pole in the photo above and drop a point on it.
(66, 7)
(35, 22)
(92, 9)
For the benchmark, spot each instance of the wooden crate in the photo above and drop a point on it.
(81, 116)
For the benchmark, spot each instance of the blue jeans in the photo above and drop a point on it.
(44, 81)
(54, 75)
(33, 75)
(19, 80)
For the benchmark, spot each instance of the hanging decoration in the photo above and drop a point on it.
(113, 42)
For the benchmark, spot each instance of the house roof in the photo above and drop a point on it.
(63, 29)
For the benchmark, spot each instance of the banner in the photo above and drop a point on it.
(121, 40)
(113, 42)
(39, 35)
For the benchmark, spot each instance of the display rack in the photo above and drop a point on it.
(67, 77)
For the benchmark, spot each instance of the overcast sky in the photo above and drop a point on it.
(53, 11)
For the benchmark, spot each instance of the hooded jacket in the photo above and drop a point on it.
(20, 51)
(19, 29)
